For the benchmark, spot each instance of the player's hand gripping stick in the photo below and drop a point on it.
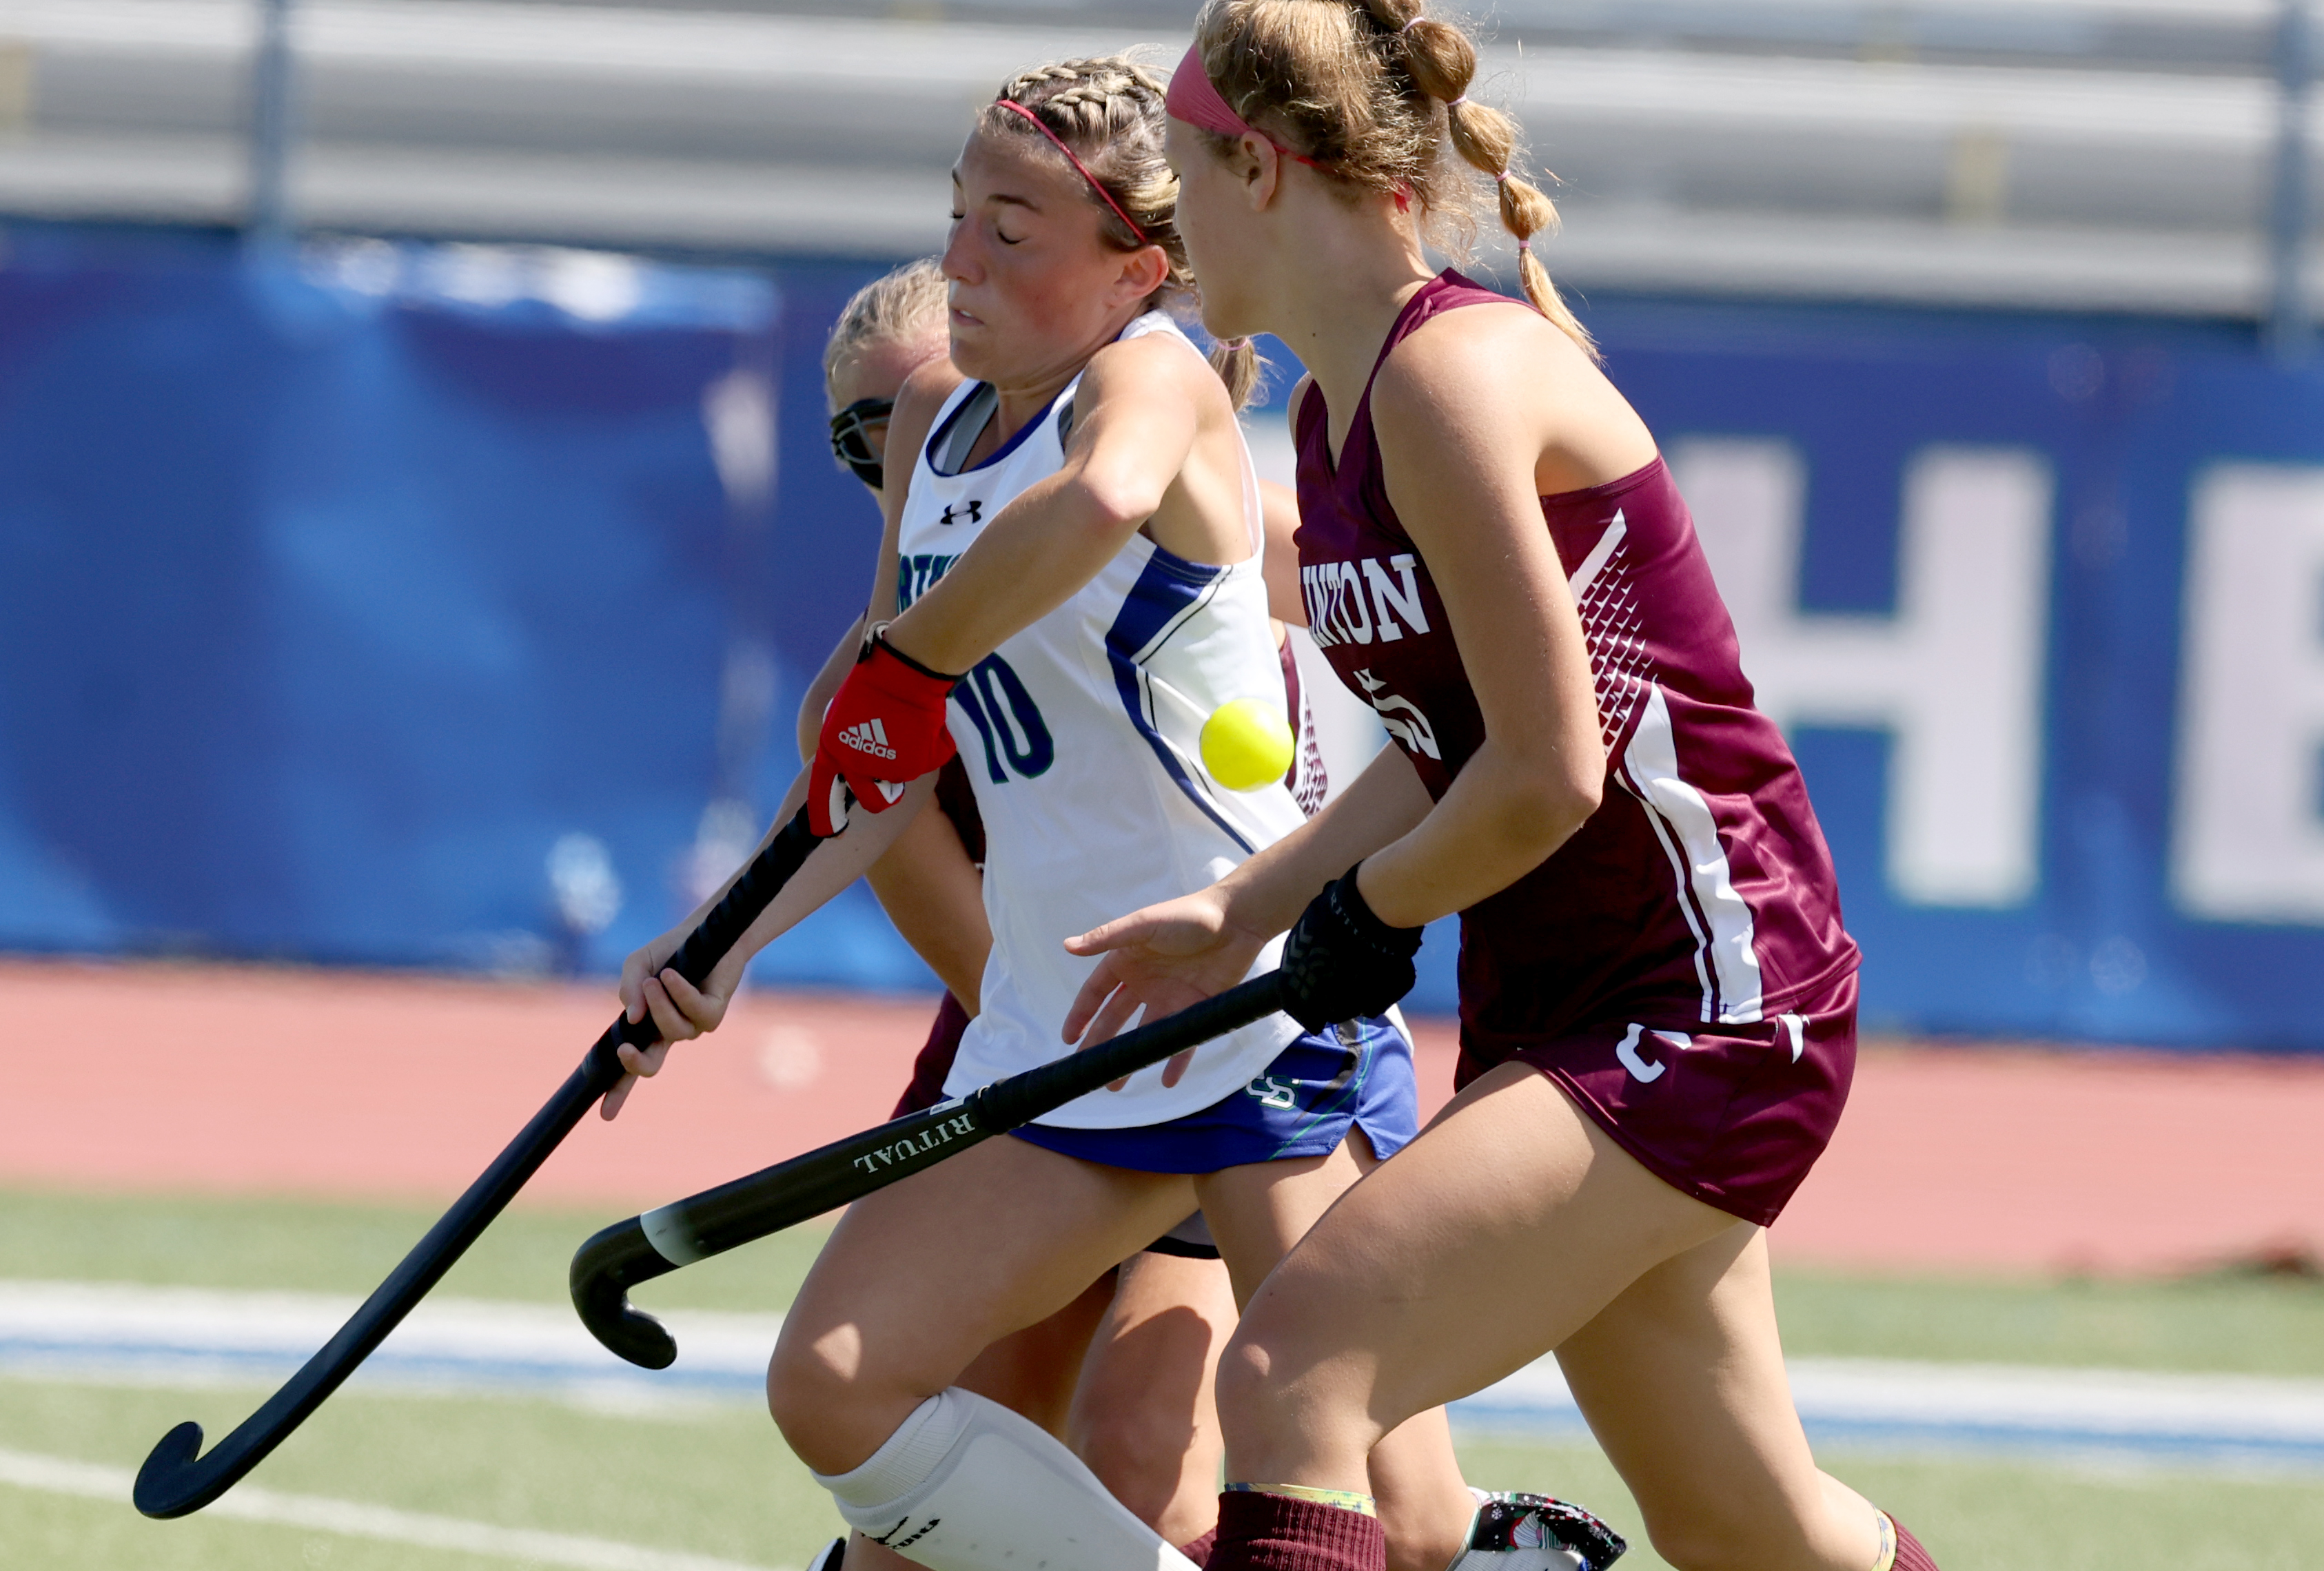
(886, 725)
(789, 1192)
(1342, 961)
(177, 1479)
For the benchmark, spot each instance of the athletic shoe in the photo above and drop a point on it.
(1532, 1532)
(827, 1559)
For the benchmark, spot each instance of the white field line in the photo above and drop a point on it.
(352, 1519)
(118, 1333)
(127, 1334)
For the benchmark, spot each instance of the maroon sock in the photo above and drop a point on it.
(1199, 1549)
(1910, 1555)
(1272, 1532)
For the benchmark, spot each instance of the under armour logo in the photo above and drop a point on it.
(975, 515)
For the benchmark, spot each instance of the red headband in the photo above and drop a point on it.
(1193, 100)
(1105, 195)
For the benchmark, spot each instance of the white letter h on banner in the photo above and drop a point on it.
(1955, 675)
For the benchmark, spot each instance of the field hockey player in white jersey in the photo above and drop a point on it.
(1074, 558)
(1122, 1374)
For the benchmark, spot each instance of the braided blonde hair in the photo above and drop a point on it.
(1374, 90)
(1109, 109)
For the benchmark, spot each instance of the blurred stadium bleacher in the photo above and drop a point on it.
(2094, 154)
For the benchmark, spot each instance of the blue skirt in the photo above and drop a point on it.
(1358, 1074)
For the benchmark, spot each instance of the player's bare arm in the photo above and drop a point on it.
(681, 1011)
(1136, 427)
(1278, 506)
(927, 884)
(1446, 436)
(918, 403)
(935, 897)
(1456, 407)
(818, 697)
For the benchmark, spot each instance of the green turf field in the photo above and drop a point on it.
(714, 1481)
(342, 1248)
(2229, 1323)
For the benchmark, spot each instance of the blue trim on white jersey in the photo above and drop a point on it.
(934, 444)
(1168, 594)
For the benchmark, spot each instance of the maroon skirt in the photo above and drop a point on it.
(1733, 1115)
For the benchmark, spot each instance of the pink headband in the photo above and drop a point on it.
(1193, 99)
(1059, 141)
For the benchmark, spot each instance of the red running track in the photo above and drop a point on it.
(157, 1077)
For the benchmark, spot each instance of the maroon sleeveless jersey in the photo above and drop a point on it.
(1701, 890)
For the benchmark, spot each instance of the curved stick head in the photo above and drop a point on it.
(171, 1483)
(604, 1270)
(628, 1331)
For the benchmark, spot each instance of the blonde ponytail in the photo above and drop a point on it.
(1237, 362)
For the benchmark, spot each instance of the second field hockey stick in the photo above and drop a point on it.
(789, 1192)
(177, 1479)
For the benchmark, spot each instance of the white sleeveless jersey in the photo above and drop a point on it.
(1081, 737)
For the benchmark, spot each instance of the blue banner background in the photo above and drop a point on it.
(327, 606)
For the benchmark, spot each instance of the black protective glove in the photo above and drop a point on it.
(1341, 963)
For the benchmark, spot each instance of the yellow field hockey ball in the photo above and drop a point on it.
(1246, 744)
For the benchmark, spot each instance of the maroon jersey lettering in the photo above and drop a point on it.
(1701, 888)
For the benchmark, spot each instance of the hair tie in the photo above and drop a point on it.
(1417, 19)
(1452, 104)
(1525, 243)
(1104, 195)
(1501, 177)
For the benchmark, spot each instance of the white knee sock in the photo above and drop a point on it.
(964, 1484)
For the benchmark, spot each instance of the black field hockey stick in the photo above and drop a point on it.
(790, 1192)
(177, 1479)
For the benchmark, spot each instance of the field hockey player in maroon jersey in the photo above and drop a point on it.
(1657, 995)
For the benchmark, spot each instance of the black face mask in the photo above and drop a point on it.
(851, 437)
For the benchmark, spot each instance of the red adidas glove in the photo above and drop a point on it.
(885, 727)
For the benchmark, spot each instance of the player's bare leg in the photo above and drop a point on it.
(914, 1283)
(1145, 1417)
(1424, 1504)
(921, 1277)
(1720, 1469)
(1506, 1228)
(1030, 1373)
